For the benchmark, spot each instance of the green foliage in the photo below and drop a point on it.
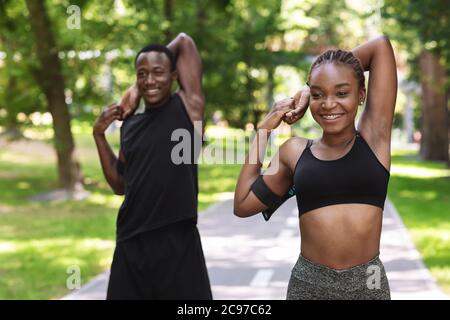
(243, 43)
(418, 25)
(18, 91)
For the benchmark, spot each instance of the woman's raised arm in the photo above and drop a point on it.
(377, 57)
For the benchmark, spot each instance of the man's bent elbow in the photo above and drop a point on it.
(184, 37)
(118, 189)
(384, 39)
(119, 192)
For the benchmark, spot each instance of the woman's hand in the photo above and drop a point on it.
(276, 114)
(130, 101)
(301, 102)
(111, 113)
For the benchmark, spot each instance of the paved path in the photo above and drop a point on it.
(252, 259)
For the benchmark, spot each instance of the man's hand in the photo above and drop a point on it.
(111, 113)
(130, 101)
(301, 103)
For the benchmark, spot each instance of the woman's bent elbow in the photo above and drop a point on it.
(241, 212)
(237, 211)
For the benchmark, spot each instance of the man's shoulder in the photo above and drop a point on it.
(131, 121)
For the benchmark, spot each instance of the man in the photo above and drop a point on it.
(158, 253)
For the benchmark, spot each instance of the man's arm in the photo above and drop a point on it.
(108, 159)
(189, 67)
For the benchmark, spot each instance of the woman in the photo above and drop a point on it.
(340, 180)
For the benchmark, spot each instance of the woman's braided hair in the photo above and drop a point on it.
(340, 57)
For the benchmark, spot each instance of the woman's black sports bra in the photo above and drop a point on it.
(357, 177)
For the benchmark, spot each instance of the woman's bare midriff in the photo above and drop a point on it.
(341, 236)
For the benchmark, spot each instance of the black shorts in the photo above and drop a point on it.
(166, 263)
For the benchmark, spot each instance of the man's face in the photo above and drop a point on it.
(154, 78)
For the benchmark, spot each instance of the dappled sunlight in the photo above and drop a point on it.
(16, 158)
(434, 246)
(6, 209)
(46, 246)
(214, 197)
(43, 263)
(88, 155)
(418, 172)
(110, 201)
(7, 246)
(23, 185)
(426, 195)
(216, 183)
(442, 275)
(223, 132)
(44, 133)
(433, 242)
(24, 157)
(8, 175)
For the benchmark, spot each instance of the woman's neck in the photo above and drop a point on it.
(340, 139)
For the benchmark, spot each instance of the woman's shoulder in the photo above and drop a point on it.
(294, 142)
(291, 150)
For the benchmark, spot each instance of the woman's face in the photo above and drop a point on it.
(335, 96)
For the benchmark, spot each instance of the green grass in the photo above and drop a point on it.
(39, 241)
(420, 191)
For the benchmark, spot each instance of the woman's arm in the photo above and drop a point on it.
(246, 203)
(377, 57)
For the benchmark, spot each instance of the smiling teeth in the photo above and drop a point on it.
(330, 117)
(152, 91)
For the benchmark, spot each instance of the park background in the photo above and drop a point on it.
(62, 62)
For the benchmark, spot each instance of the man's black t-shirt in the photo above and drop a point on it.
(158, 191)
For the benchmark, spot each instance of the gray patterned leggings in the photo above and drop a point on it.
(311, 281)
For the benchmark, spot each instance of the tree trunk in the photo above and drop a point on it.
(256, 115)
(7, 28)
(51, 81)
(168, 14)
(434, 126)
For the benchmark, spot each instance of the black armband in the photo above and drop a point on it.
(120, 167)
(270, 199)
